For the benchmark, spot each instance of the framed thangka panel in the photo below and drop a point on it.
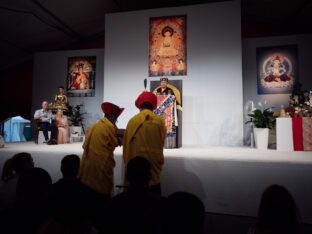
(167, 46)
(81, 76)
(277, 69)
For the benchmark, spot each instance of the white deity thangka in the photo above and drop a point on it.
(277, 72)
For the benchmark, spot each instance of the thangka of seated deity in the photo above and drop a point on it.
(167, 48)
(80, 79)
(277, 71)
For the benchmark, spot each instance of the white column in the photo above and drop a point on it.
(284, 134)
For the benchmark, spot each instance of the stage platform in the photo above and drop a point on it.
(229, 180)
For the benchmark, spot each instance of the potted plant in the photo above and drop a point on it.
(262, 121)
(75, 117)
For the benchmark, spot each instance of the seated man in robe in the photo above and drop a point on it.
(164, 89)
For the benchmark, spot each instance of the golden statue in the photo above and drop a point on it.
(60, 101)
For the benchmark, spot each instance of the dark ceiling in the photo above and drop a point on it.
(29, 26)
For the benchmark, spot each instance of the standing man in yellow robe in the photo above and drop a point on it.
(97, 163)
(145, 136)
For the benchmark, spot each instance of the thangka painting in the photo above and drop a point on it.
(167, 46)
(81, 76)
(277, 69)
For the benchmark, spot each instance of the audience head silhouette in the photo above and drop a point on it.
(277, 211)
(16, 165)
(138, 172)
(70, 166)
(137, 209)
(33, 185)
(185, 214)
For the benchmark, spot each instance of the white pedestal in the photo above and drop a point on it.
(261, 138)
(74, 138)
(284, 134)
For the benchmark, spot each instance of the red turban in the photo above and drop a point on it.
(148, 97)
(111, 109)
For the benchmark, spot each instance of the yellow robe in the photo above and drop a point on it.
(97, 163)
(145, 136)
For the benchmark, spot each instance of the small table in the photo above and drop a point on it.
(285, 136)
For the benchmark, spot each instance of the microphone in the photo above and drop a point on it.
(145, 83)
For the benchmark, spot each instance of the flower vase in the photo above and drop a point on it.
(261, 138)
(75, 130)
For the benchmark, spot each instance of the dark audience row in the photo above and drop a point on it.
(30, 203)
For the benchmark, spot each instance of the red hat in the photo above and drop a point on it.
(148, 97)
(111, 109)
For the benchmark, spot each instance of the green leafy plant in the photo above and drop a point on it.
(262, 119)
(75, 116)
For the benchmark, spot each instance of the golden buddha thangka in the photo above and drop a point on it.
(60, 101)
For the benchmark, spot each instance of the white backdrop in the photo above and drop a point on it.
(212, 89)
